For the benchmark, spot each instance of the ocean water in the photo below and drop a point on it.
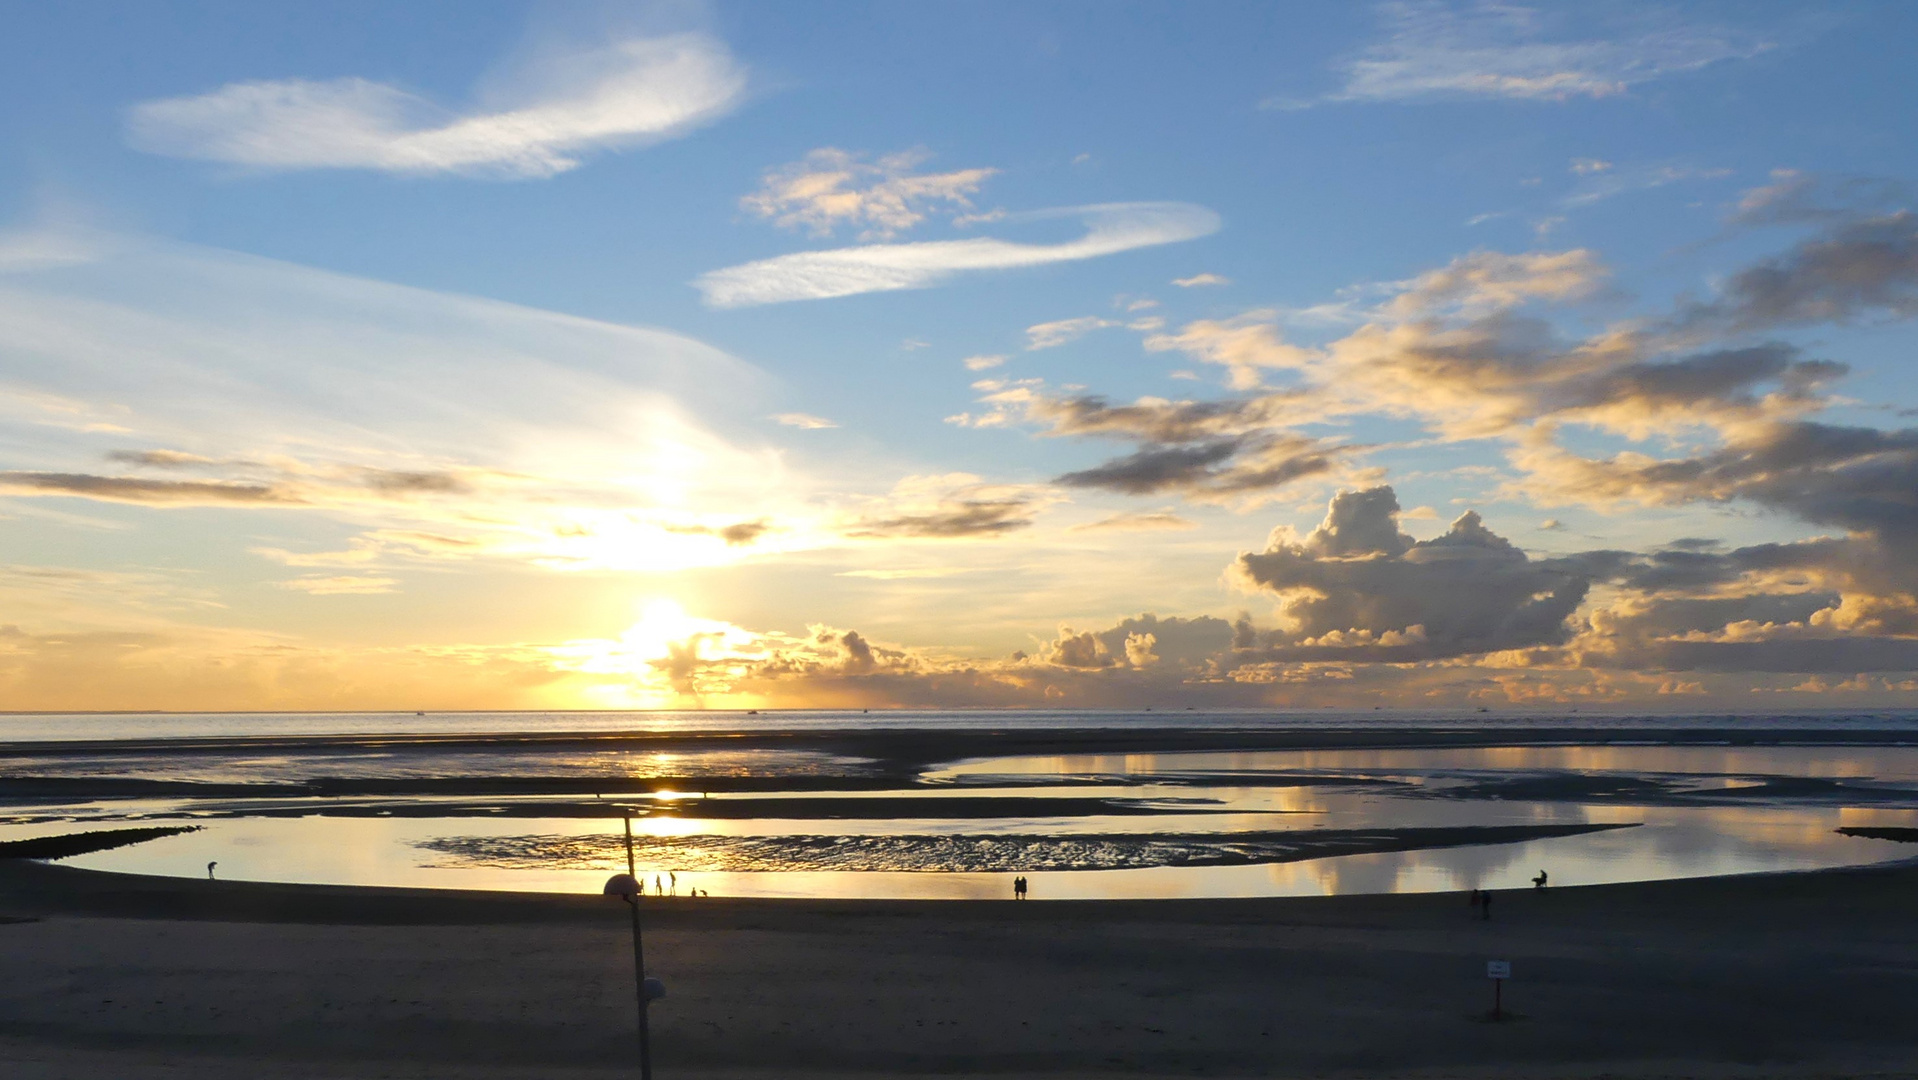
(956, 804)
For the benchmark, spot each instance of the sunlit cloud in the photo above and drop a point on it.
(439, 426)
(342, 585)
(1049, 335)
(819, 275)
(1156, 521)
(881, 198)
(1201, 280)
(557, 110)
(803, 420)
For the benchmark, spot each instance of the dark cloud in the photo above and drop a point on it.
(1157, 421)
(1357, 588)
(135, 490)
(159, 459)
(1141, 522)
(1795, 198)
(1728, 376)
(955, 519)
(736, 535)
(1852, 269)
(1225, 467)
(392, 482)
(1861, 479)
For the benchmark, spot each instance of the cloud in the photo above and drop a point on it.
(160, 459)
(1601, 185)
(1800, 198)
(1049, 335)
(951, 507)
(738, 534)
(803, 420)
(1244, 345)
(346, 585)
(981, 363)
(521, 436)
(1857, 478)
(882, 198)
(127, 489)
(623, 94)
(962, 518)
(1197, 280)
(1357, 587)
(819, 275)
(1436, 52)
(1137, 522)
(1588, 166)
(1246, 465)
(1855, 268)
(1211, 451)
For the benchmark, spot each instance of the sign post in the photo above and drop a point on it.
(1498, 971)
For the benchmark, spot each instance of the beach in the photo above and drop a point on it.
(1805, 974)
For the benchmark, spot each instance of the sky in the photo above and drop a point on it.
(839, 355)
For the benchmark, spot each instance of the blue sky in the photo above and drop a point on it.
(495, 355)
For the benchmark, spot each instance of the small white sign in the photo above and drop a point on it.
(1498, 969)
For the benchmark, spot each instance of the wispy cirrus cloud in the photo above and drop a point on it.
(803, 420)
(1437, 51)
(818, 275)
(622, 94)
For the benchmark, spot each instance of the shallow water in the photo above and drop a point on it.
(811, 820)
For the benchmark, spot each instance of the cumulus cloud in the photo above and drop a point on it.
(1435, 52)
(983, 362)
(1359, 588)
(623, 94)
(817, 275)
(881, 198)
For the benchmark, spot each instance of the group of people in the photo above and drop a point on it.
(1482, 898)
(1019, 887)
(669, 881)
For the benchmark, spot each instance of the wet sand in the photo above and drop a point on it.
(1783, 975)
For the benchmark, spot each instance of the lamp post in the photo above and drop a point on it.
(626, 886)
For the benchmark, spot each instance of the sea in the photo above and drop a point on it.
(947, 805)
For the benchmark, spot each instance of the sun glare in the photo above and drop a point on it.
(658, 660)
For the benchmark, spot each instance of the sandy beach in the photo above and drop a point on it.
(1781, 975)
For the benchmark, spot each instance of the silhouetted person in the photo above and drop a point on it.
(673, 875)
(1539, 881)
(1019, 887)
(1485, 905)
(209, 870)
